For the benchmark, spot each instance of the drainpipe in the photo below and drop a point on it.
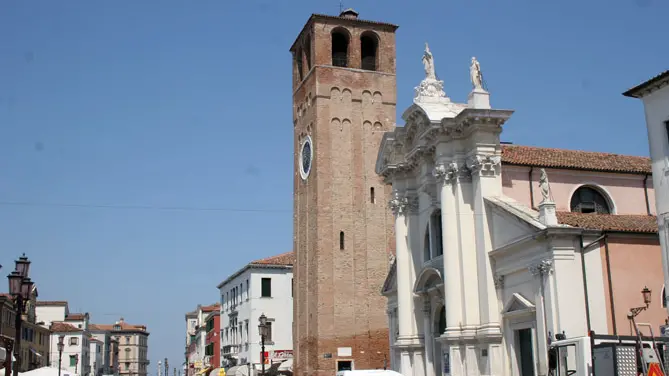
(610, 280)
(585, 278)
(645, 191)
(531, 188)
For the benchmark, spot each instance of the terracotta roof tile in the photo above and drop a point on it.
(287, 258)
(574, 159)
(75, 317)
(212, 308)
(648, 86)
(610, 222)
(63, 327)
(51, 303)
(125, 327)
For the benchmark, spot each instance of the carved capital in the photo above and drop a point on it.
(447, 173)
(541, 268)
(499, 281)
(402, 204)
(484, 164)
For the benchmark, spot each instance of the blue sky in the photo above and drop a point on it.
(114, 105)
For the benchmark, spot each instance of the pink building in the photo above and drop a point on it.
(606, 192)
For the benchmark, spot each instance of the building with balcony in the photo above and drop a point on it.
(262, 287)
(212, 350)
(196, 339)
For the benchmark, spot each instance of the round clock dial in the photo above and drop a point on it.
(306, 156)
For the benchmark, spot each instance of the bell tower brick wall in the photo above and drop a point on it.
(343, 100)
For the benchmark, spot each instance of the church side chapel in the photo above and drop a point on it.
(499, 248)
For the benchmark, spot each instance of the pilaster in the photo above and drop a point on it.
(486, 180)
(466, 223)
(403, 206)
(541, 270)
(428, 336)
(446, 173)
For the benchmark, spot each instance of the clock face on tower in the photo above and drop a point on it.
(306, 156)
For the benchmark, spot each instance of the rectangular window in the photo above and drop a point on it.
(266, 288)
(74, 341)
(73, 361)
(268, 332)
(292, 287)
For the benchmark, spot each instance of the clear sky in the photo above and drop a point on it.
(113, 112)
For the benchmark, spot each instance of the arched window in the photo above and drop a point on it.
(341, 240)
(298, 61)
(368, 50)
(442, 321)
(339, 48)
(426, 245)
(307, 53)
(432, 243)
(589, 200)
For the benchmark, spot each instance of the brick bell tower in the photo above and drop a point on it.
(344, 96)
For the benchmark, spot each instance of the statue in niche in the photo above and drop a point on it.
(428, 63)
(475, 74)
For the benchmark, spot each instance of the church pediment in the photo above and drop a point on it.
(518, 305)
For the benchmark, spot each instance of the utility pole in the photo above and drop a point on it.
(167, 368)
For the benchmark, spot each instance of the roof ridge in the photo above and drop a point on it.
(504, 146)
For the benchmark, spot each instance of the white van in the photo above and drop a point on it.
(369, 372)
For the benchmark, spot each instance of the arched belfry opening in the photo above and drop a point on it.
(340, 43)
(298, 62)
(369, 46)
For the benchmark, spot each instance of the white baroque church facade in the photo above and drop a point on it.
(478, 277)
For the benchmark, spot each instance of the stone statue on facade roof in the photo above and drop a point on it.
(546, 195)
(428, 63)
(475, 74)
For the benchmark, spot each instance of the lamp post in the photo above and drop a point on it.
(19, 287)
(61, 345)
(634, 312)
(262, 329)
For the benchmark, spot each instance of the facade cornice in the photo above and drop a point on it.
(404, 149)
(250, 267)
(654, 84)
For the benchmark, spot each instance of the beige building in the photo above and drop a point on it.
(133, 347)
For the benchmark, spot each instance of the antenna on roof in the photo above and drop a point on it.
(341, 6)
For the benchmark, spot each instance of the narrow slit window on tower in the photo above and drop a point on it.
(341, 240)
(368, 47)
(339, 49)
(372, 199)
(666, 128)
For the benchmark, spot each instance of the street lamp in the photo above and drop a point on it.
(19, 287)
(262, 329)
(61, 338)
(634, 312)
